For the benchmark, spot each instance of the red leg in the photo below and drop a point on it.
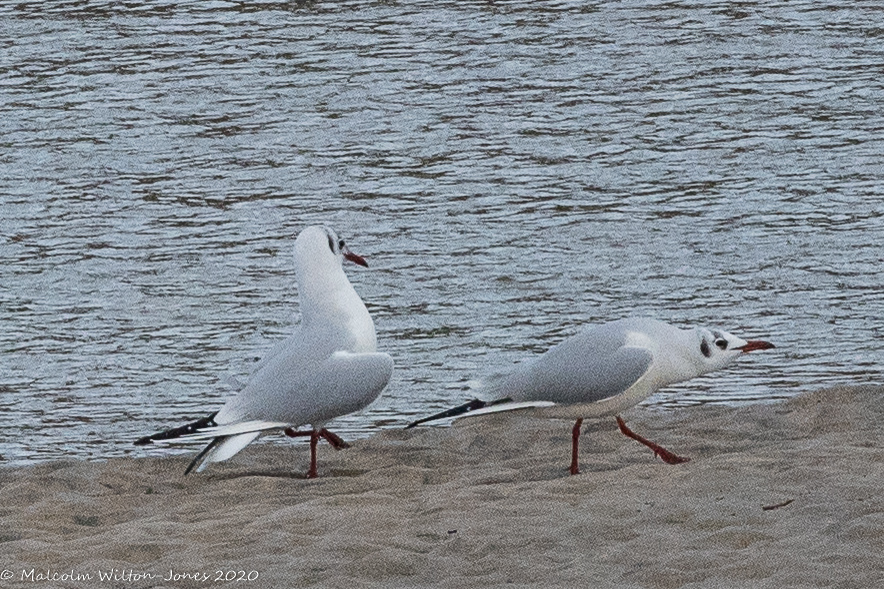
(575, 438)
(667, 456)
(314, 439)
(334, 439)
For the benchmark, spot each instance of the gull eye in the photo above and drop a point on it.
(721, 343)
(704, 348)
(341, 244)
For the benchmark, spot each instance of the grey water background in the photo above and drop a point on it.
(512, 170)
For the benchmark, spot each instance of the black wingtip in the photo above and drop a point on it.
(177, 432)
(454, 411)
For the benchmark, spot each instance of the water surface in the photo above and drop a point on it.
(511, 170)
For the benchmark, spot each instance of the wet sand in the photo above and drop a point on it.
(776, 495)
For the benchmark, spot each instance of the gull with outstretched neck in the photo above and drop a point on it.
(329, 367)
(607, 369)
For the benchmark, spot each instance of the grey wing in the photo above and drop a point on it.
(573, 373)
(353, 381)
(289, 343)
(310, 390)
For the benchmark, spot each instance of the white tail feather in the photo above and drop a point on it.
(227, 449)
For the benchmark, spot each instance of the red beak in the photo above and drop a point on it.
(756, 344)
(356, 259)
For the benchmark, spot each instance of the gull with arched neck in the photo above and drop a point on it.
(607, 369)
(329, 367)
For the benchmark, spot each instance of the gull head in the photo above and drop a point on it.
(320, 245)
(716, 348)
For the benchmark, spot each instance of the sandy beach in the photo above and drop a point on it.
(776, 495)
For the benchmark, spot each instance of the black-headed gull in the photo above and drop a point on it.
(608, 368)
(329, 367)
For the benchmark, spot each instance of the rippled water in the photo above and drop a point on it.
(512, 171)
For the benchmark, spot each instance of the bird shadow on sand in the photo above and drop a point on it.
(275, 474)
(281, 474)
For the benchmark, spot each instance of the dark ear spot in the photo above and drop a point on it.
(704, 348)
(331, 243)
